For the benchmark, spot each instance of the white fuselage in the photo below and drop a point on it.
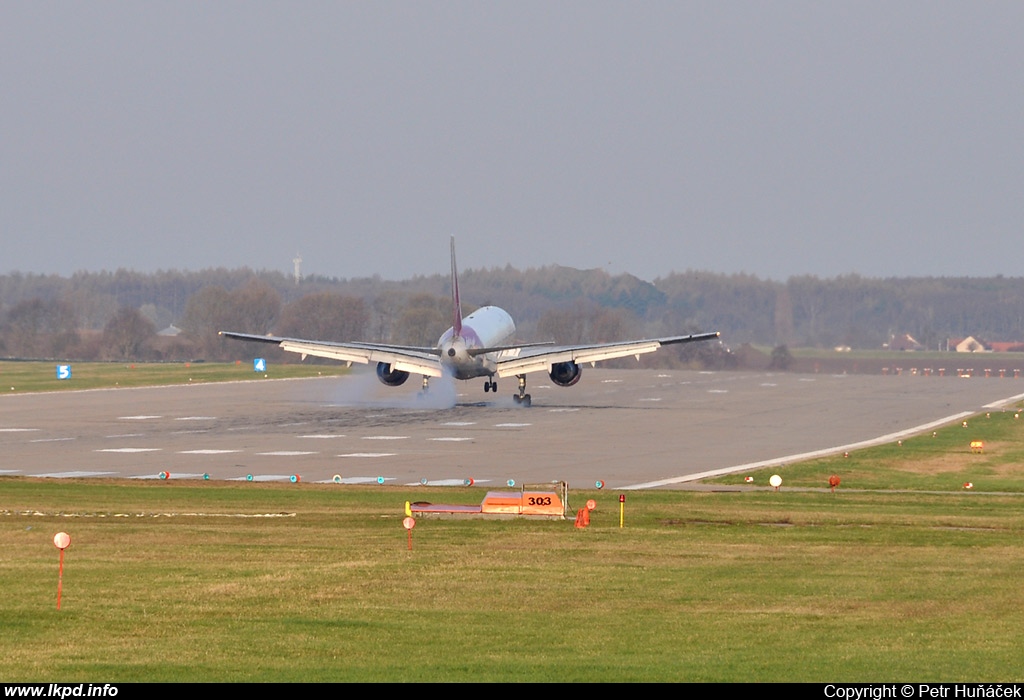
(487, 327)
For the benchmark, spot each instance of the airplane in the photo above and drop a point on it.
(479, 345)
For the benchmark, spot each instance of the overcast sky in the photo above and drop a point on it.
(771, 138)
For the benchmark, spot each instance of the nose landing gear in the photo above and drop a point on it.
(522, 398)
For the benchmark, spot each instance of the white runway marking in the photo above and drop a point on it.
(130, 450)
(909, 432)
(358, 480)
(262, 477)
(172, 475)
(563, 410)
(1004, 402)
(196, 418)
(451, 439)
(718, 391)
(652, 399)
(369, 454)
(207, 452)
(385, 437)
(71, 475)
(511, 425)
(124, 435)
(19, 430)
(447, 482)
(10, 471)
(611, 381)
(139, 417)
(64, 439)
(458, 423)
(320, 437)
(285, 453)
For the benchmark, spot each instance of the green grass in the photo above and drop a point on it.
(939, 461)
(25, 377)
(901, 574)
(757, 585)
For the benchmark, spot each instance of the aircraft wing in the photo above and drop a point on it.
(536, 359)
(401, 357)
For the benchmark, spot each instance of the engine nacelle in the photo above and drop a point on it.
(389, 376)
(565, 373)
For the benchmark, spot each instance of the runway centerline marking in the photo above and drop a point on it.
(451, 439)
(139, 417)
(385, 437)
(369, 454)
(19, 430)
(207, 452)
(286, 453)
(129, 450)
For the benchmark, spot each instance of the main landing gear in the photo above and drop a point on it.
(522, 398)
(426, 387)
(490, 385)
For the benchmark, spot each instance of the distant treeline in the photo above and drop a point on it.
(117, 315)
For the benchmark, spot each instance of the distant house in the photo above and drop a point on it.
(969, 344)
(171, 331)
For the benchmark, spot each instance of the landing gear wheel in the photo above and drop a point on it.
(522, 398)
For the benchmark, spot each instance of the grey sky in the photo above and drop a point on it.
(773, 138)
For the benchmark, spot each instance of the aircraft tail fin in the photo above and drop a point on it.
(456, 304)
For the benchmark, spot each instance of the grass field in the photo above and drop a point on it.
(940, 461)
(901, 575)
(23, 377)
(165, 581)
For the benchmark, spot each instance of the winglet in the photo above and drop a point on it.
(456, 304)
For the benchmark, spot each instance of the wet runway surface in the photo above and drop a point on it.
(627, 428)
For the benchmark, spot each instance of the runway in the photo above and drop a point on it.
(626, 428)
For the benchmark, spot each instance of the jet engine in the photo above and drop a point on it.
(565, 373)
(391, 377)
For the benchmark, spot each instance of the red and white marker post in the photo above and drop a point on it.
(61, 541)
(409, 523)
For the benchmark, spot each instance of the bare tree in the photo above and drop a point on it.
(39, 328)
(325, 316)
(126, 334)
